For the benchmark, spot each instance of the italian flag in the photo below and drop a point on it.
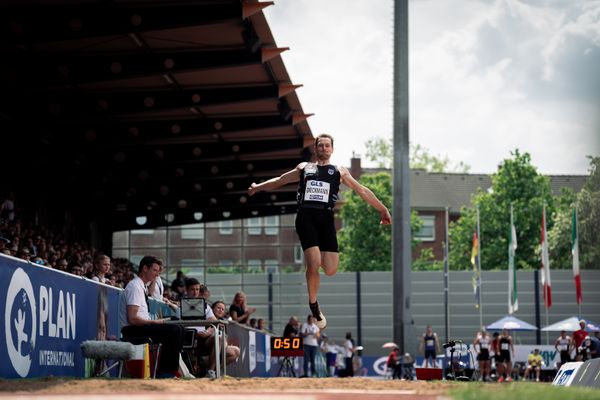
(575, 253)
(545, 272)
(513, 300)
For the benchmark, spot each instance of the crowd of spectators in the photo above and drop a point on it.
(53, 249)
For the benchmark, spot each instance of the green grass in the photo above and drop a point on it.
(521, 390)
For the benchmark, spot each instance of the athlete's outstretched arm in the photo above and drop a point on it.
(366, 194)
(278, 181)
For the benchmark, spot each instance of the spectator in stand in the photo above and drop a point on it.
(534, 362)
(310, 332)
(178, 284)
(37, 260)
(564, 345)
(252, 323)
(430, 345)
(75, 269)
(239, 310)
(101, 268)
(136, 322)
(578, 338)
(260, 324)
(23, 254)
(62, 264)
(291, 329)
(232, 352)
(219, 310)
(205, 293)
(157, 291)
(205, 336)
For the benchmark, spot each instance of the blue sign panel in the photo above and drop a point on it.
(47, 314)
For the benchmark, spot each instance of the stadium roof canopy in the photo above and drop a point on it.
(160, 111)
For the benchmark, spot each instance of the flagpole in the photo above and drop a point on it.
(446, 279)
(480, 283)
(575, 228)
(513, 301)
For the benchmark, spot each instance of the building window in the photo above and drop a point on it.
(427, 231)
(298, 254)
(142, 232)
(194, 267)
(254, 226)
(254, 266)
(226, 227)
(272, 225)
(192, 231)
(192, 263)
(271, 266)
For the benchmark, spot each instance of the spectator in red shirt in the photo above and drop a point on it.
(578, 337)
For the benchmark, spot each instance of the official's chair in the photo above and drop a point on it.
(154, 348)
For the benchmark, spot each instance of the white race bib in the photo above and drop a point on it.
(317, 191)
(483, 345)
(430, 343)
(504, 346)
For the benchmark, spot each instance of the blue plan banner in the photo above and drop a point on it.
(47, 314)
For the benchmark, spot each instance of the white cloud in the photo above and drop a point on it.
(486, 77)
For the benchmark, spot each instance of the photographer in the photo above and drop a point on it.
(595, 345)
(588, 349)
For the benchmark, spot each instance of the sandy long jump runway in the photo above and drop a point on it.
(54, 388)
(308, 395)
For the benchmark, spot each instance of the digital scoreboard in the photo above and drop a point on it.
(286, 347)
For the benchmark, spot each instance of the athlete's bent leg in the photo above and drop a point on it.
(312, 259)
(329, 262)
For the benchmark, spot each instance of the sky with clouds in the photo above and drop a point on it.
(486, 76)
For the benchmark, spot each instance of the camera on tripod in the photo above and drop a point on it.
(451, 343)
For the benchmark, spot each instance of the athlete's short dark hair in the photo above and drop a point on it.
(324, 135)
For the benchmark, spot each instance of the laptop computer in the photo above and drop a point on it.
(192, 308)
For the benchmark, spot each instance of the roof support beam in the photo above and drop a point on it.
(87, 68)
(29, 25)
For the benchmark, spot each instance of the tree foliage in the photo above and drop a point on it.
(588, 209)
(381, 152)
(516, 182)
(365, 245)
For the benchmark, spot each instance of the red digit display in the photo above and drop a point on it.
(286, 347)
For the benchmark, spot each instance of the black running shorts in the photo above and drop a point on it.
(315, 227)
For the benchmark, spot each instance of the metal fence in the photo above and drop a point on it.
(361, 303)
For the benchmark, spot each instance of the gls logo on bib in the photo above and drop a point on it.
(20, 322)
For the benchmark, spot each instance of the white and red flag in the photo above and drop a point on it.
(545, 267)
(575, 253)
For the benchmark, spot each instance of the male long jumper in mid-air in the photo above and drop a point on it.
(318, 188)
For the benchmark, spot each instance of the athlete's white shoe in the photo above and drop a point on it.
(320, 319)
